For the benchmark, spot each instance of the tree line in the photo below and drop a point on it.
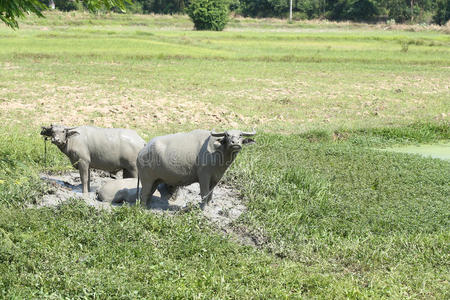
(400, 11)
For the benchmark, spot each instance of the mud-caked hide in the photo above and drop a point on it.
(184, 158)
(108, 149)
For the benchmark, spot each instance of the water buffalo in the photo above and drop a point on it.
(184, 158)
(108, 149)
(118, 191)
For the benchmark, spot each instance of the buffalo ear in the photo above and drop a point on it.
(71, 133)
(248, 141)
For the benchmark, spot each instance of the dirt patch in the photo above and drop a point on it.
(92, 104)
(62, 187)
(224, 208)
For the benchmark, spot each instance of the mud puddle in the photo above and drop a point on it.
(224, 208)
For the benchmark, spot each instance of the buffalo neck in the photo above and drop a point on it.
(228, 154)
(224, 156)
(64, 147)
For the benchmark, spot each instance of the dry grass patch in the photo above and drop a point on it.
(93, 104)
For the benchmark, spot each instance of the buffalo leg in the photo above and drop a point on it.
(167, 191)
(130, 173)
(83, 167)
(148, 189)
(212, 185)
(172, 190)
(145, 194)
(89, 179)
(205, 182)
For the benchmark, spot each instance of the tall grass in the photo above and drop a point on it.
(21, 161)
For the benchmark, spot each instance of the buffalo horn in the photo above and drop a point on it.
(217, 134)
(249, 133)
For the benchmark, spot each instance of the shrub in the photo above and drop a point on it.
(208, 14)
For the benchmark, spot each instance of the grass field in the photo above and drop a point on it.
(331, 216)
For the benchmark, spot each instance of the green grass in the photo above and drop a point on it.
(331, 215)
(76, 251)
(333, 219)
(285, 78)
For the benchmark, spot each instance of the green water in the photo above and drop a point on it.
(440, 150)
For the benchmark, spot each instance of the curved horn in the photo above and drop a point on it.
(249, 133)
(217, 134)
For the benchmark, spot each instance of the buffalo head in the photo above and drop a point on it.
(58, 133)
(234, 139)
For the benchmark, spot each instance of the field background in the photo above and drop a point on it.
(330, 215)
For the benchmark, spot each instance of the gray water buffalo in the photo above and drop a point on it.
(118, 191)
(108, 149)
(184, 158)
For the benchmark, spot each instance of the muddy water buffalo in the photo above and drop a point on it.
(184, 158)
(118, 191)
(108, 149)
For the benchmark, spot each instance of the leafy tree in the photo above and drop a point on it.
(209, 14)
(399, 10)
(362, 10)
(11, 10)
(167, 6)
(442, 12)
(254, 8)
(279, 6)
(264, 8)
(336, 9)
(404, 10)
(163, 6)
(66, 5)
(356, 10)
(233, 5)
(312, 8)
